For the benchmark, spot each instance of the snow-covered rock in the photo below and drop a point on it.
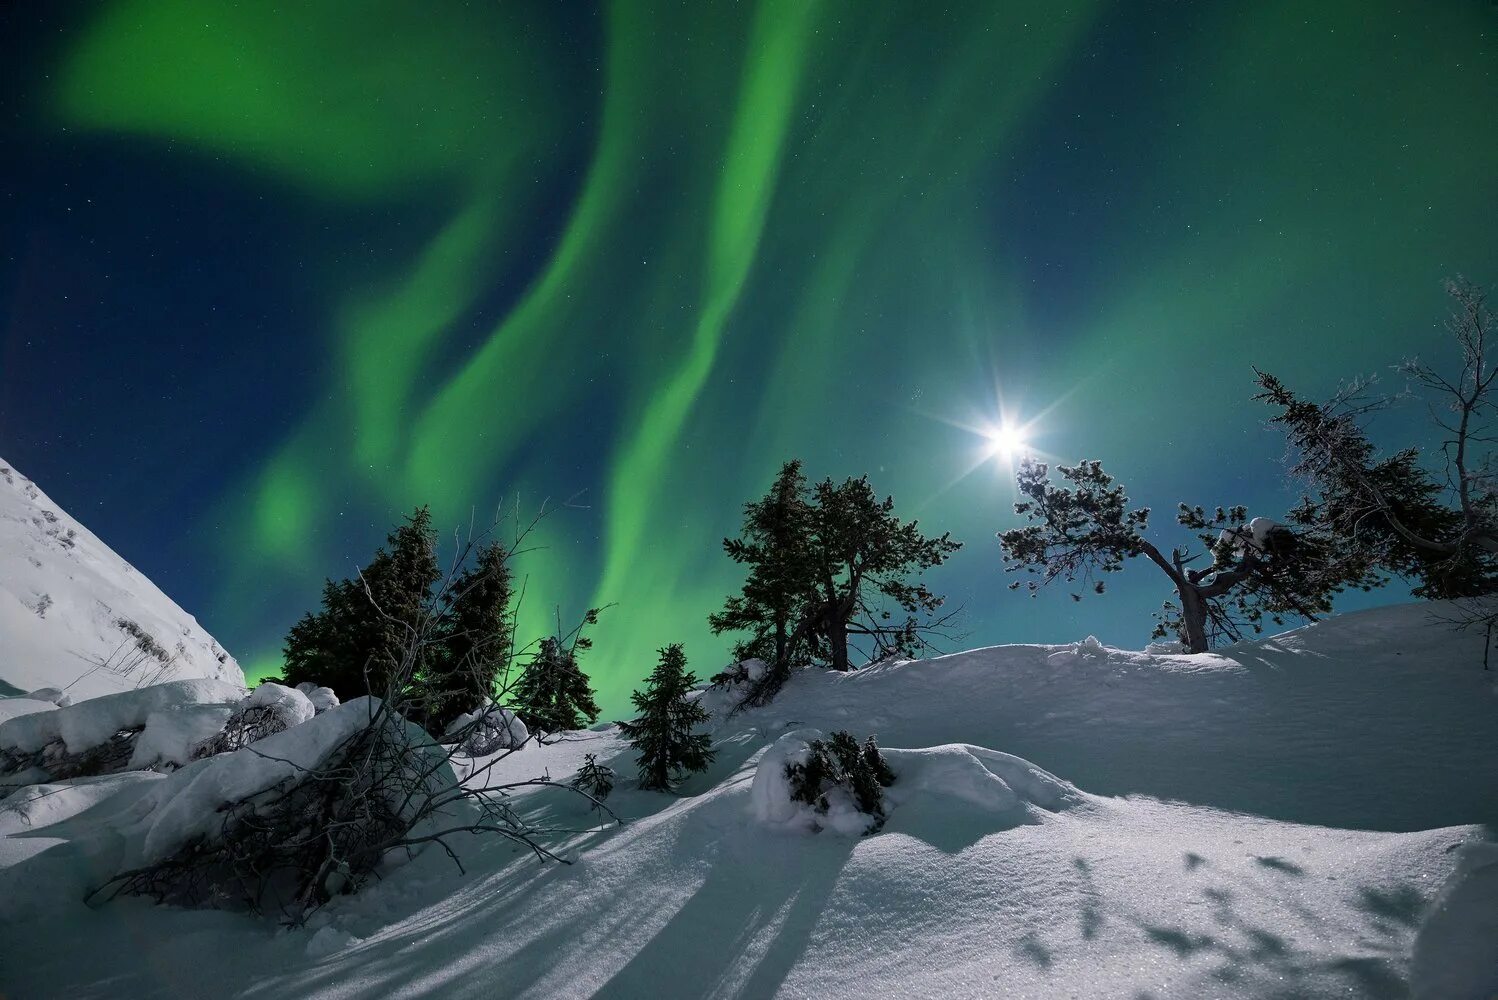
(488, 730)
(322, 698)
(76, 617)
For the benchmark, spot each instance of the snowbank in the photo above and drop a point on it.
(1217, 834)
(77, 617)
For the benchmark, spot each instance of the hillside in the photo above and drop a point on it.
(76, 617)
(1303, 816)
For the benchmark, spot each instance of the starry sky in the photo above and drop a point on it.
(273, 274)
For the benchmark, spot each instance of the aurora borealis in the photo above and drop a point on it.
(273, 275)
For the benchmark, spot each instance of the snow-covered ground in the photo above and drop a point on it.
(1280, 819)
(77, 617)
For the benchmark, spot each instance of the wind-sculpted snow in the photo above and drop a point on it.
(75, 616)
(1271, 821)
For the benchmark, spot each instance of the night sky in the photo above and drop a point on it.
(273, 274)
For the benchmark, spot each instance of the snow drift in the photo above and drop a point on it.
(77, 617)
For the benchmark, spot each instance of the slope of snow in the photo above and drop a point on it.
(1274, 820)
(63, 597)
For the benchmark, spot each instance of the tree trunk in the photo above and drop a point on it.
(1193, 618)
(837, 638)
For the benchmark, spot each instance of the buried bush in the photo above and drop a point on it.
(594, 779)
(313, 813)
(839, 763)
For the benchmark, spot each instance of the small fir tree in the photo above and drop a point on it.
(840, 762)
(553, 694)
(662, 735)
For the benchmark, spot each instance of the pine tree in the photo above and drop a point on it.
(357, 641)
(553, 694)
(477, 637)
(662, 735)
(865, 557)
(1390, 506)
(829, 568)
(1258, 568)
(781, 584)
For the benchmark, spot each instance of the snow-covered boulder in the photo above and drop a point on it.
(488, 730)
(76, 617)
(322, 698)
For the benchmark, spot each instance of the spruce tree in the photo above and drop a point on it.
(781, 583)
(477, 635)
(367, 626)
(662, 735)
(553, 694)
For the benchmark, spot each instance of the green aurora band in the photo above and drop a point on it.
(788, 236)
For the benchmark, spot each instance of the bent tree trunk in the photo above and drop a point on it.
(1193, 617)
(1193, 601)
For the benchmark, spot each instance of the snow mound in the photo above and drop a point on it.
(75, 616)
(1456, 949)
(1007, 790)
(1090, 648)
(173, 735)
(289, 706)
(37, 807)
(322, 698)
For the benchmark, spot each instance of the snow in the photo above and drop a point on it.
(90, 723)
(186, 805)
(322, 698)
(63, 593)
(1298, 816)
(173, 733)
(10, 708)
(289, 706)
(943, 781)
(1456, 951)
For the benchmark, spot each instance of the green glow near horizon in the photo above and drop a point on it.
(788, 236)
